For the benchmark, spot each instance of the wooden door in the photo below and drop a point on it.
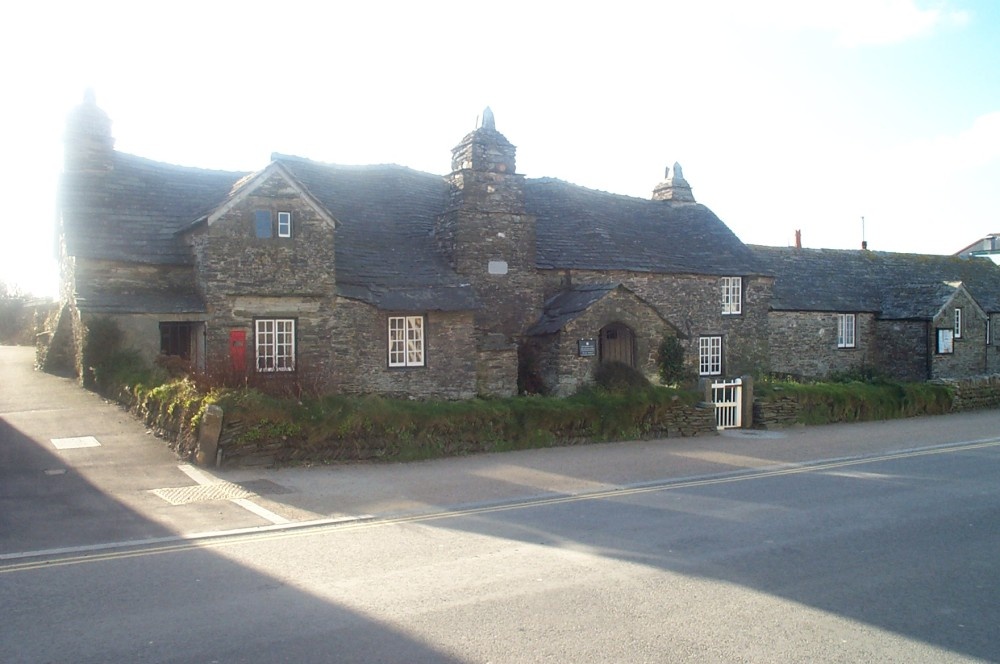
(618, 344)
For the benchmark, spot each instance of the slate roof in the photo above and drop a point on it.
(134, 212)
(918, 301)
(593, 230)
(893, 285)
(386, 252)
(174, 302)
(560, 309)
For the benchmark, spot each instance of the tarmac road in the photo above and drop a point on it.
(76, 471)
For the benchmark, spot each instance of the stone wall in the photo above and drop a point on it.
(692, 304)
(992, 347)
(243, 277)
(674, 420)
(357, 355)
(119, 278)
(58, 347)
(974, 393)
(903, 349)
(779, 413)
(486, 226)
(969, 356)
(804, 344)
(564, 371)
(496, 367)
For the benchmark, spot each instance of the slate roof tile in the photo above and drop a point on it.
(586, 229)
(385, 247)
(107, 302)
(386, 251)
(134, 211)
(563, 307)
(893, 285)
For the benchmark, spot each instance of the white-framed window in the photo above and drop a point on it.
(406, 341)
(846, 328)
(732, 295)
(284, 224)
(709, 356)
(958, 322)
(945, 341)
(274, 344)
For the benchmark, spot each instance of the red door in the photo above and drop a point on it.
(237, 349)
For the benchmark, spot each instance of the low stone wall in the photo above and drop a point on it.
(968, 394)
(974, 393)
(778, 414)
(672, 420)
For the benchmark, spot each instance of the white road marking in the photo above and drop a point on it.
(204, 479)
(75, 443)
(260, 511)
(197, 475)
(192, 537)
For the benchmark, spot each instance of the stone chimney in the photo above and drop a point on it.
(674, 187)
(88, 144)
(487, 234)
(484, 150)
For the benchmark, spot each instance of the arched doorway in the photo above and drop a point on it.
(617, 344)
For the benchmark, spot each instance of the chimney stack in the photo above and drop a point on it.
(89, 145)
(798, 239)
(674, 187)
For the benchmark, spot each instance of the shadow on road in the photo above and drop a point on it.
(200, 606)
(816, 539)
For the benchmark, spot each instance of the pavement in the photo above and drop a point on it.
(77, 471)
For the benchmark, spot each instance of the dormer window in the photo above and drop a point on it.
(732, 295)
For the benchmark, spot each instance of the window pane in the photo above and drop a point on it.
(284, 345)
(284, 224)
(845, 330)
(415, 340)
(265, 345)
(732, 295)
(397, 342)
(406, 341)
(710, 356)
(275, 344)
(175, 339)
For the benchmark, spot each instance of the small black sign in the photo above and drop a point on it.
(588, 347)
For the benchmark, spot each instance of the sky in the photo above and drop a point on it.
(847, 120)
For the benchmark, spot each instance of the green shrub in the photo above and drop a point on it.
(670, 362)
(862, 374)
(618, 377)
(827, 403)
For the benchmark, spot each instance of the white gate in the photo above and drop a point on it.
(727, 396)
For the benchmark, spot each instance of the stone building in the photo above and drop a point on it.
(908, 316)
(385, 280)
